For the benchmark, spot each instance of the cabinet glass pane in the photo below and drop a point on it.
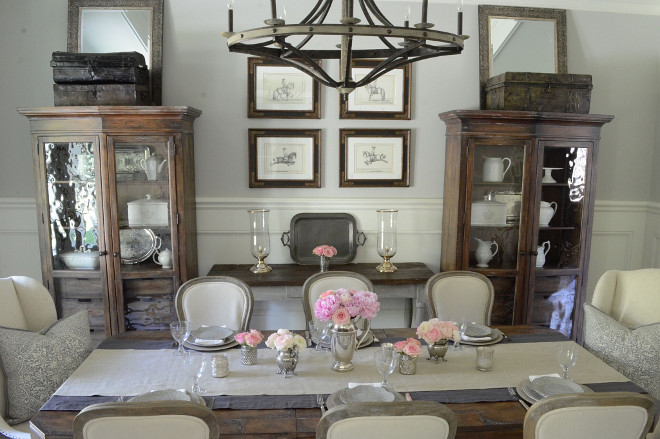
(148, 304)
(496, 198)
(553, 303)
(71, 191)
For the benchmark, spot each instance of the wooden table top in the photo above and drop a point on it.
(296, 275)
(475, 420)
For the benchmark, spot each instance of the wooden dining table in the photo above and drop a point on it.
(499, 419)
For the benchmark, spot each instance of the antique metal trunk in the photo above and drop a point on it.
(524, 91)
(100, 94)
(99, 68)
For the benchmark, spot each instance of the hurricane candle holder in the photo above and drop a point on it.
(386, 245)
(260, 236)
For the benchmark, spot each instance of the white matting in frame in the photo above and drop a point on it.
(374, 158)
(285, 158)
(383, 94)
(283, 88)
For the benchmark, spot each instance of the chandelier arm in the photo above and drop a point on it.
(309, 63)
(371, 22)
(324, 14)
(321, 9)
(391, 63)
(377, 13)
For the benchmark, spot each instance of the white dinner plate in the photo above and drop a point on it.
(477, 330)
(221, 347)
(210, 336)
(335, 400)
(495, 337)
(547, 386)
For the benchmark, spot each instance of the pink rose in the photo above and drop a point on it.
(329, 251)
(271, 340)
(412, 349)
(240, 337)
(284, 342)
(252, 339)
(341, 316)
(400, 345)
(432, 335)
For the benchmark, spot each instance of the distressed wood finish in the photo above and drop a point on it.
(490, 420)
(106, 291)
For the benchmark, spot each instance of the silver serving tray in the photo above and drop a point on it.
(309, 230)
(137, 245)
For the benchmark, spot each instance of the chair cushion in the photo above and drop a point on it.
(620, 422)
(637, 298)
(35, 364)
(378, 427)
(632, 351)
(11, 312)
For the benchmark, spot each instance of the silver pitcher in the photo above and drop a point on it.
(344, 343)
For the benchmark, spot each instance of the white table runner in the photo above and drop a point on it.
(108, 372)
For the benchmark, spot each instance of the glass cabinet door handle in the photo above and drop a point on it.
(523, 253)
(115, 254)
(103, 253)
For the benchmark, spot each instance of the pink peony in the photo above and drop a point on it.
(357, 303)
(284, 342)
(253, 338)
(326, 306)
(325, 250)
(240, 337)
(341, 316)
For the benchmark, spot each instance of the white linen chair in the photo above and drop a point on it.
(607, 415)
(319, 283)
(146, 420)
(24, 304)
(622, 325)
(215, 301)
(452, 295)
(384, 420)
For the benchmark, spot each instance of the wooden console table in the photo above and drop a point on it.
(286, 281)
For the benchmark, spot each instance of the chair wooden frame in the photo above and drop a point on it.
(308, 307)
(245, 289)
(371, 409)
(430, 284)
(601, 399)
(151, 408)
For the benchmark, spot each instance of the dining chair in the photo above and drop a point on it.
(215, 301)
(146, 420)
(452, 295)
(26, 304)
(606, 415)
(383, 420)
(319, 283)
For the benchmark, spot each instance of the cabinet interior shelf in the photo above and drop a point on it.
(82, 274)
(74, 182)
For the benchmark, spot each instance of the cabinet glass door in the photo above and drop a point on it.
(496, 197)
(562, 213)
(146, 229)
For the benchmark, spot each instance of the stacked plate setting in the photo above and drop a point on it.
(479, 335)
(363, 393)
(210, 338)
(532, 391)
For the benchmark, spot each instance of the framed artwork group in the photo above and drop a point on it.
(291, 158)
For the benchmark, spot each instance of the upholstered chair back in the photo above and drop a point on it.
(146, 420)
(215, 301)
(629, 297)
(377, 420)
(451, 295)
(608, 415)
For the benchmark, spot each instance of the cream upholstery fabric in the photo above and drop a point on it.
(24, 304)
(630, 297)
(215, 301)
(452, 295)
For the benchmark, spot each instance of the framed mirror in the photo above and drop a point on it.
(519, 39)
(97, 26)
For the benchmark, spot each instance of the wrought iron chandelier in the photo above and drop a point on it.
(414, 43)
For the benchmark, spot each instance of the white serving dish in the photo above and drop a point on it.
(488, 213)
(148, 212)
(77, 260)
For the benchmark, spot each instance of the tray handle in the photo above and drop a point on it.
(361, 236)
(288, 239)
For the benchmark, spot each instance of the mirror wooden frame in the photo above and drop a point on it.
(487, 11)
(156, 68)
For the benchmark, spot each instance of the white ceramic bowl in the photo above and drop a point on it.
(81, 260)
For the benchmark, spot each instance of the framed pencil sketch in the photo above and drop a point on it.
(374, 158)
(279, 91)
(285, 158)
(387, 97)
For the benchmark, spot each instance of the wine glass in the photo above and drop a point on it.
(385, 364)
(462, 325)
(197, 364)
(567, 357)
(180, 331)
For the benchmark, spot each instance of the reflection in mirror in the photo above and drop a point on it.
(515, 39)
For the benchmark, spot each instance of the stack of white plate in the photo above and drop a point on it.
(363, 393)
(541, 387)
(479, 335)
(210, 338)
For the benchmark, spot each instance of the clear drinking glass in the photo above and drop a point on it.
(567, 357)
(197, 364)
(385, 364)
(462, 324)
(180, 331)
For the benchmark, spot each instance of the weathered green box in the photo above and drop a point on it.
(525, 91)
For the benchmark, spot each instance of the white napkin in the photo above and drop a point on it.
(467, 338)
(351, 385)
(533, 377)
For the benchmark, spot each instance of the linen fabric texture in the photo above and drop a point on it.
(35, 364)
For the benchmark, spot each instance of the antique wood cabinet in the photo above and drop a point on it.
(518, 208)
(115, 195)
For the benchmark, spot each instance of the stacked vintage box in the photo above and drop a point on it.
(120, 78)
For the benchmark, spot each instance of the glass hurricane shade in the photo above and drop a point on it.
(260, 238)
(386, 245)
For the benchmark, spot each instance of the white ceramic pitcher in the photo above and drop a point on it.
(153, 166)
(493, 168)
(542, 250)
(484, 253)
(163, 258)
(546, 212)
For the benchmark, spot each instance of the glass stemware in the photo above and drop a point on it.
(385, 364)
(197, 364)
(180, 331)
(320, 331)
(462, 325)
(567, 357)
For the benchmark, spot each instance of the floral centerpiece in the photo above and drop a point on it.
(325, 252)
(249, 341)
(410, 349)
(287, 345)
(436, 333)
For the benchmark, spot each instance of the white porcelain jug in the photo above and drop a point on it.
(153, 166)
(542, 250)
(546, 212)
(484, 253)
(163, 258)
(493, 168)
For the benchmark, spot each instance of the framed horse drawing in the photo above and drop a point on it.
(387, 97)
(279, 91)
(285, 158)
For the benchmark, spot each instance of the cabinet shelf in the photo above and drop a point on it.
(69, 182)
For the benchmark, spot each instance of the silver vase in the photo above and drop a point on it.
(325, 264)
(287, 360)
(437, 350)
(343, 344)
(407, 365)
(248, 355)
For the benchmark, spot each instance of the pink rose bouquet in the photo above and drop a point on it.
(325, 250)
(342, 305)
(251, 338)
(411, 347)
(284, 339)
(435, 330)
